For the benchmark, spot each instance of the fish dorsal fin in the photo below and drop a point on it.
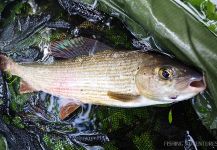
(121, 97)
(25, 87)
(67, 110)
(76, 47)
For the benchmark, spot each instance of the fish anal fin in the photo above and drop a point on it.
(67, 110)
(121, 97)
(25, 87)
(72, 48)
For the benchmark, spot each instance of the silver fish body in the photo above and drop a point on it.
(114, 78)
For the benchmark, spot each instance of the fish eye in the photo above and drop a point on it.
(165, 73)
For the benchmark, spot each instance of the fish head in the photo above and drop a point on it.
(164, 79)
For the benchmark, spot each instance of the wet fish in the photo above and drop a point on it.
(108, 77)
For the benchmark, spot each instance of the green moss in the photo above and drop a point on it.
(110, 146)
(21, 9)
(113, 34)
(57, 143)
(17, 121)
(136, 123)
(113, 119)
(144, 141)
(6, 119)
(118, 38)
(18, 8)
(17, 101)
(47, 140)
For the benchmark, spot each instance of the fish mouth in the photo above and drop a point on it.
(198, 84)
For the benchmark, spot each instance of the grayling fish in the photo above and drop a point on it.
(113, 78)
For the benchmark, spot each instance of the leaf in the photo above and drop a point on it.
(210, 10)
(170, 117)
(207, 11)
(3, 143)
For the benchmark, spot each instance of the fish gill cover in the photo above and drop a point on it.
(30, 121)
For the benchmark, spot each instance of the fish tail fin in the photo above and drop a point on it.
(5, 63)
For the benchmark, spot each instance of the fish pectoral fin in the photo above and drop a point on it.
(67, 110)
(121, 96)
(79, 46)
(25, 87)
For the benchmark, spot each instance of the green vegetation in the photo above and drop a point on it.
(19, 8)
(207, 9)
(110, 146)
(137, 120)
(58, 144)
(17, 121)
(14, 120)
(115, 35)
(144, 141)
(17, 101)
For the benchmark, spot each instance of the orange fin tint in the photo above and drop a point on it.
(25, 88)
(67, 110)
